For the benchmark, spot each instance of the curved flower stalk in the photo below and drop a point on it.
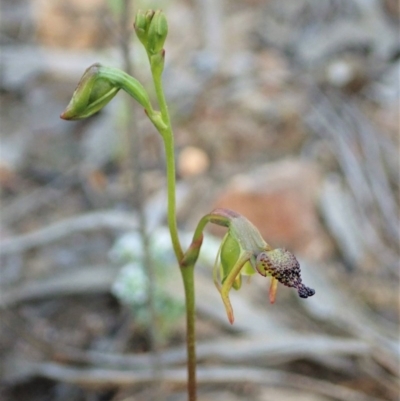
(244, 252)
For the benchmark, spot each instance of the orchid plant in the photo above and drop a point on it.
(243, 251)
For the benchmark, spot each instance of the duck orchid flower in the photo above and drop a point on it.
(243, 252)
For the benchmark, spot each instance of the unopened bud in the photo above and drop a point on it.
(157, 33)
(97, 87)
(91, 95)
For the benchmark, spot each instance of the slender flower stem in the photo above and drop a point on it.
(187, 270)
(161, 100)
(188, 282)
(168, 138)
(171, 213)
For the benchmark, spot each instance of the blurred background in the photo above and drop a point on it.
(285, 111)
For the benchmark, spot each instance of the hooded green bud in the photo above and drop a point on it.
(157, 33)
(91, 95)
(151, 28)
(97, 87)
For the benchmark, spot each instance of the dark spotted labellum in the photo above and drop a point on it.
(284, 267)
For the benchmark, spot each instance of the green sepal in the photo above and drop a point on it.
(230, 251)
(248, 269)
(237, 283)
(141, 26)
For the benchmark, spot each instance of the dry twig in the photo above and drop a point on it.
(107, 219)
(102, 378)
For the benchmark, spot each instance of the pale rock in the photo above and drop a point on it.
(192, 161)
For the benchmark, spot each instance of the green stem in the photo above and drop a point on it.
(168, 138)
(221, 217)
(129, 84)
(188, 282)
(171, 212)
(162, 102)
(187, 271)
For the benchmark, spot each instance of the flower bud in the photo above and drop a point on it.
(97, 87)
(91, 95)
(157, 32)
